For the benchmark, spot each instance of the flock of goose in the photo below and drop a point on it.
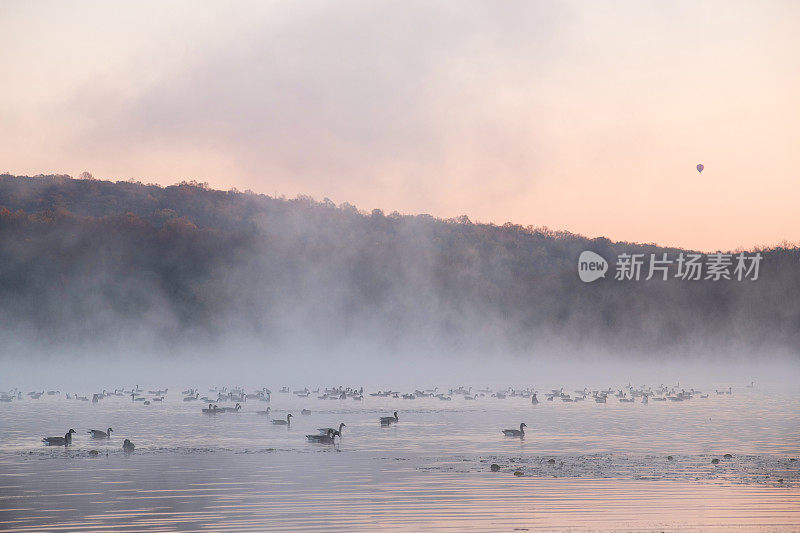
(630, 394)
(66, 440)
(238, 395)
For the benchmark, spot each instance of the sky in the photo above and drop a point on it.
(577, 115)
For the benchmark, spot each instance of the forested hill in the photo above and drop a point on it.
(89, 263)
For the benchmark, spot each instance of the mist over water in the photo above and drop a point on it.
(113, 290)
(126, 270)
(91, 371)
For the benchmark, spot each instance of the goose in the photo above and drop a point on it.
(325, 438)
(128, 446)
(234, 409)
(534, 399)
(281, 422)
(66, 440)
(263, 412)
(305, 412)
(212, 410)
(98, 434)
(388, 420)
(324, 431)
(515, 432)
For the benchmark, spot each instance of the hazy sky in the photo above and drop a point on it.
(586, 116)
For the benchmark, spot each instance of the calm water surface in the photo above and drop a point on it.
(584, 465)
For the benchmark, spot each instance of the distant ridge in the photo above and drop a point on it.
(90, 262)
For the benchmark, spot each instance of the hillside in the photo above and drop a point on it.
(89, 263)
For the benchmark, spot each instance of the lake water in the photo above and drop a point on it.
(583, 465)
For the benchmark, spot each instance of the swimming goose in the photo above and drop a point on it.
(66, 440)
(305, 412)
(97, 434)
(388, 420)
(212, 410)
(128, 446)
(323, 431)
(515, 432)
(263, 412)
(280, 422)
(326, 438)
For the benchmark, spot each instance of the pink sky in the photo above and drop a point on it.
(584, 116)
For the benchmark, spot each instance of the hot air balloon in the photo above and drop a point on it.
(700, 167)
